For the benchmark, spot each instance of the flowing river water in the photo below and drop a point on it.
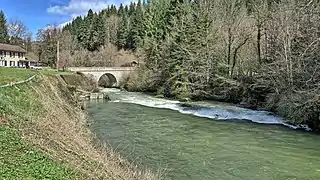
(206, 141)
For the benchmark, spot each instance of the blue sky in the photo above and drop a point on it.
(39, 13)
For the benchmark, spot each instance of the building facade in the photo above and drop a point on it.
(13, 56)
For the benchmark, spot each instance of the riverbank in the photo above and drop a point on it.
(44, 135)
(296, 107)
(211, 141)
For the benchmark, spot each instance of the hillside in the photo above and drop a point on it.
(44, 134)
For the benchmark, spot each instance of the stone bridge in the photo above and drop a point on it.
(106, 76)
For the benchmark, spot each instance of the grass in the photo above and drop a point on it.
(8, 75)
(44, 136)
(55, 72)
(19, 161)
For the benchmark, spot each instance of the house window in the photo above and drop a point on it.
(1, 53)
(12, 63)
(11, 54)
(4, 53)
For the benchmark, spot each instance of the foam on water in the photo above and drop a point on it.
(208, 110)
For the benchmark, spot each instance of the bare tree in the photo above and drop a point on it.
(18, 32)
(16, 28)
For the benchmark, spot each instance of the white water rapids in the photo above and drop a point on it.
(218, 111)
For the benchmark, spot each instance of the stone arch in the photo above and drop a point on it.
(107, 80)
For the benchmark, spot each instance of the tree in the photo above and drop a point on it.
(18, 33)
(137, 28)
(17, 29)
(123, 32)
(66, 46)
(155, 32)
(96, 34)
(121, 10)
(4, 37)
(259, 9)
(112, 26)
(48, 39)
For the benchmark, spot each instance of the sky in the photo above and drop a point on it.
(40, 13)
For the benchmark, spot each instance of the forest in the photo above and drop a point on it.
(260, 54)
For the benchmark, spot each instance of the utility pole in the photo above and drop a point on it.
(58, 53)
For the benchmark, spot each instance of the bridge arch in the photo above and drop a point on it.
(108, 76)
(107, 80)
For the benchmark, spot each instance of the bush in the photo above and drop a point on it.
(143, 81)
(300, 108)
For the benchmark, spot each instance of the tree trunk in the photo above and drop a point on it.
(229, 49)
(259, 43)
(235, 55)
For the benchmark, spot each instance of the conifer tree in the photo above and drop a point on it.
(97, 34)
(132, 8)
(137, 27)
(126, 9)
(4, 37)
(121, 10)
(123, 32)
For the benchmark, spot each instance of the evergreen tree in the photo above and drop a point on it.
(178, 54)
(126, 9)
(137, 27)
(4, 37)
(121, 10)
(154, 33)
(123, 32)
(113, 10)
(82, 33)
(132, 8)
(97, 34)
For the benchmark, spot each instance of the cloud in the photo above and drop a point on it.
(64, 24)
(76, 8)
(79, 7)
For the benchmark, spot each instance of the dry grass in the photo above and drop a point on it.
(123, 58)
(3, 120)
(108, 55)
(62, 133)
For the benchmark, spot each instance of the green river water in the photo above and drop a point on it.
(213, 141)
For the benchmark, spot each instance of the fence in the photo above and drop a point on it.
(19, 82)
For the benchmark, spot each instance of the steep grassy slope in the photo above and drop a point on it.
(44, 135)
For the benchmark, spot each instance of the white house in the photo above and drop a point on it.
(13, 56)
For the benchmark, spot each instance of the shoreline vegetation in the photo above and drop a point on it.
(293, 107)
(44, 134)
(256, 53)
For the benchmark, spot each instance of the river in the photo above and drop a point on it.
(206, 141)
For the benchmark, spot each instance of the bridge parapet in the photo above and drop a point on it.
(99, 69)
(114, 74)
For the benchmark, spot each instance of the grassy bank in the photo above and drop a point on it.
(44, 135)
(8, 75)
